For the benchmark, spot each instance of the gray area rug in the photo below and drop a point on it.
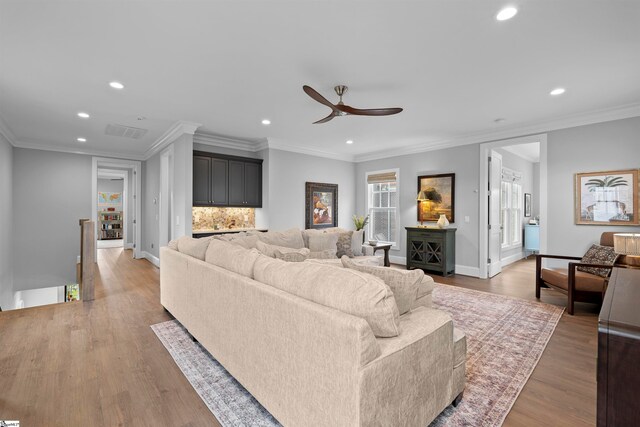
(505, 339)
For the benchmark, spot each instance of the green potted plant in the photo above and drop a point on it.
(360, 222)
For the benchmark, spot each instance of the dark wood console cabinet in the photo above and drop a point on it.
(432, 249)
(220, 180)
(619, 350)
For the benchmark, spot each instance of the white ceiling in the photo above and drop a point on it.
(229, 64)
(530, 151)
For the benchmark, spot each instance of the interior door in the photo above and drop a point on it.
(495, 230)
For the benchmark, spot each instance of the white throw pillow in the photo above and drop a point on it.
(194, 247)
(356, 243)
(271, 250)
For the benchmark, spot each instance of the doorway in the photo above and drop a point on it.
(514, 174)
(117, 215)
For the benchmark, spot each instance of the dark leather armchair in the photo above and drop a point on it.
(578, 285)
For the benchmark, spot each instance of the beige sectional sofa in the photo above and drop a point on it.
(301, 336)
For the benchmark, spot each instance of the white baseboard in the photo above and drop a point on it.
(151, 258)
(397, 260)
(465, 270)
(128, 245)
(511, 259)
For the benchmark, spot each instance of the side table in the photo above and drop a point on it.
(386, 248)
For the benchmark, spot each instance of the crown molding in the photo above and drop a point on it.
(564, 122)
(6, 132)
(279, 145)
(214, 140)
(32, 145)
(176, 130)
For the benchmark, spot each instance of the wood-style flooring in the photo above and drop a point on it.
(100, 364)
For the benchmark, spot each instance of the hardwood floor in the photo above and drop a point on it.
(100, 364)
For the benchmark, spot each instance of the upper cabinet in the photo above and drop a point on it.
(220, 180)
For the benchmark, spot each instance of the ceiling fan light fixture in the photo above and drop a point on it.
(557, 91)
(83, 115)
(506, 13)
(116, 85)
(266, 122)
(82, 139)
(349, 141)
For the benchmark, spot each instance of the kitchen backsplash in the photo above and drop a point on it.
(223, 218)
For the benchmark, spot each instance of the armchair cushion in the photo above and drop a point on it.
(559, 277)
(598, 254)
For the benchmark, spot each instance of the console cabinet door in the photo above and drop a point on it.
(219, 182)
(236, 183)
(253, 185)
(201, 181)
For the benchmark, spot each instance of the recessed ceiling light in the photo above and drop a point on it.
(350, 141)
(506, 13)
(266, 122)
(116, 85)
(82, 139)
(83, 115)
(557, 91)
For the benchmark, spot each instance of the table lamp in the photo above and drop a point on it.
(627, 244)
(421, 197)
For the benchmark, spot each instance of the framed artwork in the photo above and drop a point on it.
(607, 198)
(321, 205)
(527, 204)
(439, 191)
(105, 198)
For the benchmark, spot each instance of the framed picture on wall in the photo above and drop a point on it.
(439, 197)
(527, 204)
(607, 198)
(321, 205)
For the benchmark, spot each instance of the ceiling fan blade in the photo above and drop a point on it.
(317, 97)
(326, 119)
(368, 112)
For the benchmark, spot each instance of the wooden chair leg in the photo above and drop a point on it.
(571, 288)
(538, 274)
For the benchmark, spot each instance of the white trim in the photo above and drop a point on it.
(77, 150)
(166, 231)
(568, 121)
(485, 150)
(136, 167)
(176, 130)
(401, 260)
(398, 236)
(278, 145)
(511, 259)
(112, 173)
(128, 245)
(230, 142)
(151, 258)
(465, 270)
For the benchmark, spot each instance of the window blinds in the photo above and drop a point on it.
(378, 178)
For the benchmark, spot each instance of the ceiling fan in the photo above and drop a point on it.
(340, 109)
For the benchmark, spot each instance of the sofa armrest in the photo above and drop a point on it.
(367, 250)
(413, 374)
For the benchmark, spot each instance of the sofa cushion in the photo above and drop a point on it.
(403, 283)
(270, 250)
(246, 241)
(298, 256)
(459, 347)
(196, 248)
(425, 289)
(291, 238)
(599, 255)
(558, 277)
(326, 254)
(173, 244)
(323, 241)
(232, 257)
(349, 291)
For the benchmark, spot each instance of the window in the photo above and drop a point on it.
(511, 208)
(382, 206)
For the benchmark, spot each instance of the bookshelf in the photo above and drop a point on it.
(110, 225)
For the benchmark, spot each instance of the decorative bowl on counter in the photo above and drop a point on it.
(373, 242)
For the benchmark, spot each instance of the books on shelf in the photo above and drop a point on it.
(110, 225)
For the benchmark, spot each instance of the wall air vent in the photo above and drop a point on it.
(125, 131)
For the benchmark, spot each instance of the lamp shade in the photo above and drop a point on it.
(422, 196)
(626, 243)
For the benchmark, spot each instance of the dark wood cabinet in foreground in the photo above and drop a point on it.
(432, 249)
(220, 180)
(619, 351)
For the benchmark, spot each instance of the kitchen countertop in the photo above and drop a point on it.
(228, 230)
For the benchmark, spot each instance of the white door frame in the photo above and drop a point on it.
(485, 152)
(166, 208)
(114, 173)
(136, 167)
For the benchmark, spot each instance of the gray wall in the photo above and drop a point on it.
(52, 191)
(464, 162)
(525, 167)
(287, 173)
(606, 146)
(150, 192)
(6, 219)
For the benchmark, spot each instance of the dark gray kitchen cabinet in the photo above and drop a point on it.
(220, 180)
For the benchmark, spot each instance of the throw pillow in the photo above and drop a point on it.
(403, 283)
(232, 257)
(326, 254)
(343, 245)
(194, 247)
(270, 250)
(173, 244)
(349, 291)
(247, 242)
(291, 238)
(599, 255)
(297, 256)
(323, 241)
